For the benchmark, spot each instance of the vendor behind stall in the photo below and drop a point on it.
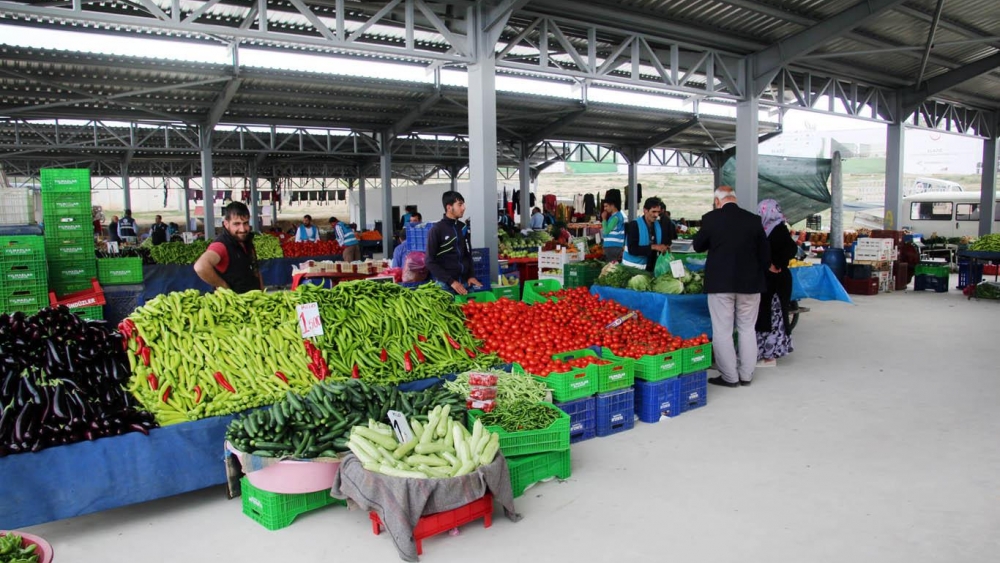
(231, 260)
(449, 253)
(307, 232)
(644, 237)
(613, 231)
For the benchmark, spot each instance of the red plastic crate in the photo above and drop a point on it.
(867, 286)
(433, 524)
(86, 298)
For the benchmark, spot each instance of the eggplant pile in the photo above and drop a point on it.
(61, 381)
(128, 252)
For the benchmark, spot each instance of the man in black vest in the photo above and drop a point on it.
(231, 260)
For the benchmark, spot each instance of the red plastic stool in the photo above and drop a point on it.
(433, 524)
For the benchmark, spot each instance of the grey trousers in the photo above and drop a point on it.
(740, 309)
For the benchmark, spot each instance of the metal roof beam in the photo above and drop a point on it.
(930, 41)
(545, 132)
(222, 102)
(935, 85)
(404, 124)
(768, 61)
(672, 132)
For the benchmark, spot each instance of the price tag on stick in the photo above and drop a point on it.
(310, 322)
(400, 426)
(677, 268)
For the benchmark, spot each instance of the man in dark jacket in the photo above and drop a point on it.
(231, 260)
(738, 256)
(449, 252)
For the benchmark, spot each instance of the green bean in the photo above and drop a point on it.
(520, 416)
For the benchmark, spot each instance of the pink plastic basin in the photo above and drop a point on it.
(293, 477)
(44, 550)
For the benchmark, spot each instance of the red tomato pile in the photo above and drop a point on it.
(293, 249)
(530, 334)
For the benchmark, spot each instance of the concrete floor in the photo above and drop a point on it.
(877, 440)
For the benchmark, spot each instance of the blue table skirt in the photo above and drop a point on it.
(166, 278)
(85, 477)
(687, 315)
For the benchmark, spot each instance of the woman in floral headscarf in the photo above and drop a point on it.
(773, 340)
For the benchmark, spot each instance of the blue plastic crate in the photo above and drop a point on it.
(416, 236)
(481, 265)
(120, 301)
(654, 399)
(693, 391)
(922, 282)
(582, 418)
(969, 275)
(615, 412)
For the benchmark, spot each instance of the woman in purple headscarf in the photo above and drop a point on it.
(773, 340)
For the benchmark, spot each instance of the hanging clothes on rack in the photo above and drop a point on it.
(589, 204)
(577, 203)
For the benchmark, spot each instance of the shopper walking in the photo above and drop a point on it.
(231, 260)
(449, 251)
(773, 339)
(644, 237)
(738, 256)
(613, 231)
(346, 239)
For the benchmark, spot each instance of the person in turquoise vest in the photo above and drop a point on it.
(644, 237)
(613, 231)
(346, 239)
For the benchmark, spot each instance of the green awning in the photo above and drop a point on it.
(798, 184)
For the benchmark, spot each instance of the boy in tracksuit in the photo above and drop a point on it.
(449, 252)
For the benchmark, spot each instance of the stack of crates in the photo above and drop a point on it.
(23, 274)
(69, 238)
(533, 455)
(580, 274)
(934, 278)
(878, 254)
(603, 408)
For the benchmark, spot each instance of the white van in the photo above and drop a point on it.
(949, 214)
(925, 185)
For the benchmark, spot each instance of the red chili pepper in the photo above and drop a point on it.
(125, 344)
(281, 376)
(422, 338)
(140, 341)
(407, 363)
(166, 393)
(452, 341)
(383, 356)
(197, 394)
(420, 355)
(153, 382)
(144, 352)
(470, 352)
(354, 372)
(314, 369)
(224, 382)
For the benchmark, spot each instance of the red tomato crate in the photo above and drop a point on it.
(616, 374)
(696, 358)
(433, 524)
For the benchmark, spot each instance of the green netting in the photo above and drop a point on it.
(798, 184)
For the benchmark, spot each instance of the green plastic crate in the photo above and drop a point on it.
(610, 377)
(275, 510)
(696, 358)
(89, 313)
(65, 180)
(580, 274)
(67, 276)
(27, 247)
(69, 227)
(16, 271)
(27, 297)
(69, 249)
(653, 367)
(533, 290)
(119, 271)
(933, 271)
(553, 438)
(566, 386)
(512, 292)
(477, 296)
(525, 470)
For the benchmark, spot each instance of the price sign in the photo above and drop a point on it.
(399, 425)
(309, 321)
(677, 268)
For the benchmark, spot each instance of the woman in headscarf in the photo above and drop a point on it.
(773, 340)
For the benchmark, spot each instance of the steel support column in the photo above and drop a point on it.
(206, 182)
(747, 142)
(482, 196)
(126, 191)
(255, 221)
(987, 195)
(187, 204)
(453, 172)
(524, 175)
(363, 201)
(836, 202)
(385, 163)
(894, 154)
(632, 190)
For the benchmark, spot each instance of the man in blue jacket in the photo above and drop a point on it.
(738, 256)
(449, 251)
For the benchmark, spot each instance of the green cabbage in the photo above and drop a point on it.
(668, 285)
(639, 282)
